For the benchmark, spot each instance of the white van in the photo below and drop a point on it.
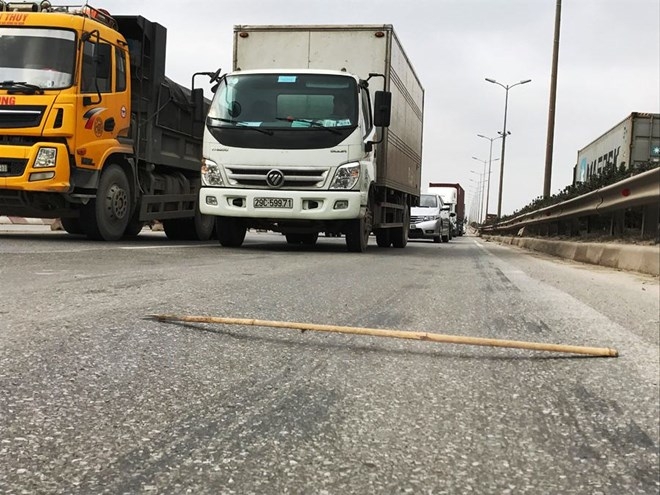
(429, 220)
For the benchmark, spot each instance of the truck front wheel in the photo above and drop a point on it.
(357, 235)
(231, 231)
(400, 234)
(106, 216)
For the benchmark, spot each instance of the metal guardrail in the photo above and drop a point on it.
(640, 190)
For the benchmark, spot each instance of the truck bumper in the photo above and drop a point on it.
(18, 171)
(280, 204)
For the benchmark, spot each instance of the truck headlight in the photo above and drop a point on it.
(211, 175)
(46, 157)
(346, 176)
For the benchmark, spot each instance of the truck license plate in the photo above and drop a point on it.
(4, 168)
(273, 203)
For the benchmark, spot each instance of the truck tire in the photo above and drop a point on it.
(231, 231)
(133, 228)
(106, 217)
(445, 238)
(357, 235)
(204, 226)
(400, 234)
(175, 228)
(72, 226)
(197, 228)
(383, 238)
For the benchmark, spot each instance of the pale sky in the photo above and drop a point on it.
(609, 66)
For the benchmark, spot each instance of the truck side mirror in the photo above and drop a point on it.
(382, 108)
(198, 104)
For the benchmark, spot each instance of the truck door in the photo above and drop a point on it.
(102, 103)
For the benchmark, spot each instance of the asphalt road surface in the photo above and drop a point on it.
(97, 398)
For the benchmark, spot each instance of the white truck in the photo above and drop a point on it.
(634, 142)
(316, 129)
(452, 195)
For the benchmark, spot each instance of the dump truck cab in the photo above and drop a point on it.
(64, 97)
(94, 133)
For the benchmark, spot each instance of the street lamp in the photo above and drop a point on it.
(477, 195)
(490, 161)
(480, 191)
(504, 134)
(483, 185)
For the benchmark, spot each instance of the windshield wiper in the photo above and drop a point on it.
(21, 87)
(240, 123)
(312, 123)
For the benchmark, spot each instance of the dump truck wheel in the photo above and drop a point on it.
(72, 226)
(133, 228)
(106, 216)
(197, 228)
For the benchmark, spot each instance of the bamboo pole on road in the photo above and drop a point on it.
(397, 334)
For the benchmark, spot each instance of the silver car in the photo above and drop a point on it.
(430, 220)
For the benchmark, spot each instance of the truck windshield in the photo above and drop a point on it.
(43, 58)
(291, 101)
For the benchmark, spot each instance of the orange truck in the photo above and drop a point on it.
(91, 130)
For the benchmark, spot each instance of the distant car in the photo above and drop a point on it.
(430, 220)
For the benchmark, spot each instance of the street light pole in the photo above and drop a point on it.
(504, 134)
(490, 162)
(483, 187)
(478, 194)
(480, 191)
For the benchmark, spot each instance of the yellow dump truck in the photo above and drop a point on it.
(91, 130)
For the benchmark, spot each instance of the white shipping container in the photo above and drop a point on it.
(633, 141)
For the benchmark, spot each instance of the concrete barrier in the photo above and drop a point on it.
(629, 257)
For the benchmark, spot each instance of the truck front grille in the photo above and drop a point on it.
(18, 116)
(294, 177)
(12, 167)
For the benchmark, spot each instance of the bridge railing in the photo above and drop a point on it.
(609, 203)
